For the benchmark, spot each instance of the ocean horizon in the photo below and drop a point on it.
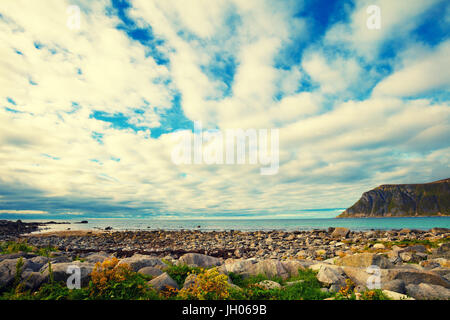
(291, 224)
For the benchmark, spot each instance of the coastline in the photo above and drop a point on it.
(413, 264)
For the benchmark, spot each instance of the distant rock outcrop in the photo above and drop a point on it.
(403, 200)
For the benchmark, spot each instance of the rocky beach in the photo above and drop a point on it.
(409, 263)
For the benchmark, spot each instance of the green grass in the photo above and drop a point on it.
(307, 288)
(179, 273)
(9, 247)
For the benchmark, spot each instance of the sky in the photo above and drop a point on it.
(90, 112)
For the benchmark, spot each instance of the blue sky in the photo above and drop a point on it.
(89, 116)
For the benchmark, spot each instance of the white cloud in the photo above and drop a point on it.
(419, 75)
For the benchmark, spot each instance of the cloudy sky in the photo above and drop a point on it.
(88, 115)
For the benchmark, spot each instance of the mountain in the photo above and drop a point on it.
(403, 200)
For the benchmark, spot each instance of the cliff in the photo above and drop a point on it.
(403, 200)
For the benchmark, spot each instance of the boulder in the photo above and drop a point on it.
(364, 260)
(394, 285)
(292, 266)
(268, 284)
(151, 271)
(163, 282)
(426, 291)
(8, 271)
(331, 276)
(239, 266)
(199, 260)
(340, 232)
(396, 296)
(96, 257)
(411, 276)
(32, 280)
(189, 281)
(60, 274)
(268, 267)
(378, 246)
(139, 261)
(444, 250)
(408, 276)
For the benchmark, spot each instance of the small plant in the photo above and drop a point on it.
(347, 292)
(375, 294)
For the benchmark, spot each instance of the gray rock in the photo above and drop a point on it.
(8, 271)
(329, 276)
(163, 282)
(425, 291)
(269, 284)
(139, 261)
(151, 271)
(60, 274)
(340, 232)
(189, 281)
(96, 257)
(408, 276)
(199, 260)
(32, 280)
(394, 285)
(292, 266)
(250, 267)
(364, 260)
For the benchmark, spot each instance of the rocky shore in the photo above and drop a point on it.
(412, 263)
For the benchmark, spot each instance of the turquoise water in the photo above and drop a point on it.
(421, 223)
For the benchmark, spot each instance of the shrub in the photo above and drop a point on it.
(109, 280)
(208, 285)
(179, 273)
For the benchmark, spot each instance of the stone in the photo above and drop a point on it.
(59, 271)
(163, 282)
(94, 258)
(292, 266)
(199, 260)
(379, 246)
(329, 276)
(268, 267)
(268, 284)
(340, 232)
(396, 296)
(33, 280)
(408, 276)
(426, 291)
(189, 281)
(394, 285)
(364, 260)
(292, 283)
(444, 250)
(8, 271)
(139, 261)
(151, 271)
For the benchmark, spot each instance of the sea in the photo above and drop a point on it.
(357, 224)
